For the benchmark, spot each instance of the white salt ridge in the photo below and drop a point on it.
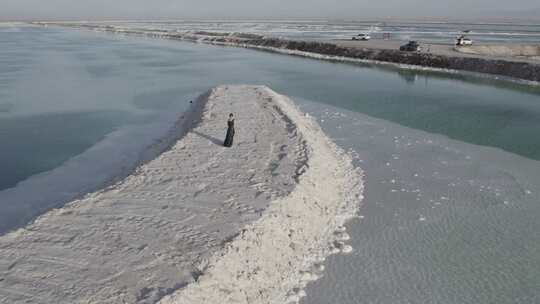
(273, 259)
(165, 226)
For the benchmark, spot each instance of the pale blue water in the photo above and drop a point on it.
(446, 220)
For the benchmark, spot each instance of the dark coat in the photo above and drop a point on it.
(230, 133)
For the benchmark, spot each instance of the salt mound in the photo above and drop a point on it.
(200, 223)
(152, 232)
(273, 259)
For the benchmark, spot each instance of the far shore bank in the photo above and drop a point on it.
(435, 56)
(529, 53)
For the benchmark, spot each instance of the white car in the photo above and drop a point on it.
(461, 41)
(363, 37)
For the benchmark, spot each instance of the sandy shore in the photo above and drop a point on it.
(255, 219)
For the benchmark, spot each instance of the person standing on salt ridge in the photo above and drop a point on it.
(230, 131)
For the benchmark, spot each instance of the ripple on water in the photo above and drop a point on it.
(446, 222)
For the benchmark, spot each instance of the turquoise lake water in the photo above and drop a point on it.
(451, 161)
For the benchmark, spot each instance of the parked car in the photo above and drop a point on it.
(462, 40)
(363, 37)
(411, 46)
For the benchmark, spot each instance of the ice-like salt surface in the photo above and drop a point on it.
(177, 219)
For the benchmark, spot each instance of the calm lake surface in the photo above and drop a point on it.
(451, 161)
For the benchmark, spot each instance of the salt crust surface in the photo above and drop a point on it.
(273, 259)
(200, 223)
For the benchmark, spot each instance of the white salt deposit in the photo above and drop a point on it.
(268, 261)
(201, 223)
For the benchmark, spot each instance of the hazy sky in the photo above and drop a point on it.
(77, 9)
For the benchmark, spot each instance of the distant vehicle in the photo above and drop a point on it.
(462, 40)
(363, 37)
(411, 46)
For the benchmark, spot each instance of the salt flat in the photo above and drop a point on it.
(275, 257)
(279, 196)
(145, 236)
